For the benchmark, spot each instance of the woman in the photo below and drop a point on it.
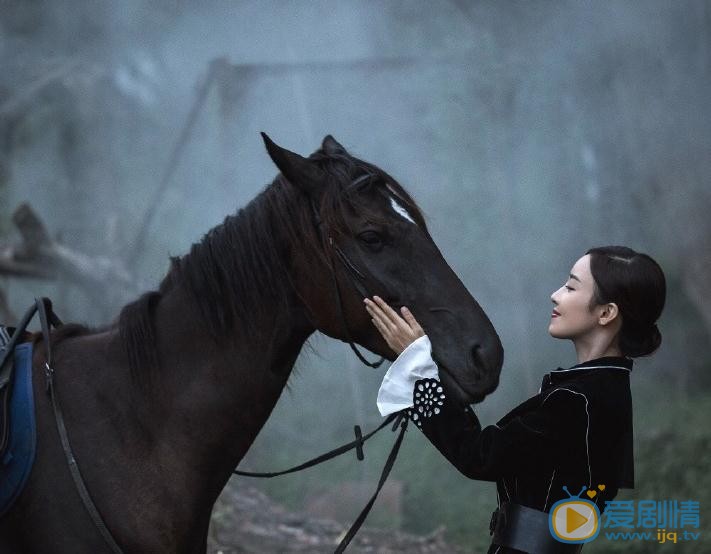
(576, 432)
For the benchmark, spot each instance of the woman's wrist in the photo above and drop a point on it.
(414, 363)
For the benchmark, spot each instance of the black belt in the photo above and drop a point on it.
(526, 529)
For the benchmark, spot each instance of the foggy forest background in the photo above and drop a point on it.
(527, 132)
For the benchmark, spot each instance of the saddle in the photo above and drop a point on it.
(17, 423)
(18, 434)
(7, 373)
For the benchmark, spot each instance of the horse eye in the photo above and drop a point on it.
(371, 238)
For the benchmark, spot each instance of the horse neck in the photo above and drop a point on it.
(216, 397)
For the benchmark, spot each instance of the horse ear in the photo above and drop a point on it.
(331, 146)
(301, 172)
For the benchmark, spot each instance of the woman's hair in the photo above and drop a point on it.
(636, 283)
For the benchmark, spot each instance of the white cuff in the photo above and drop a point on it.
(413, 363)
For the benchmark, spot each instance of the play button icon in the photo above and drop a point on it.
(574, 520)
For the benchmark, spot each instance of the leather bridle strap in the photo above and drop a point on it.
(383, 477)
(356, 277)
(339, 300)
(357, 444)
(44, 306)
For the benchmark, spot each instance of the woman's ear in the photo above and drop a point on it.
(609, 313)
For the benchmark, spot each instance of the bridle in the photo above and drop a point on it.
(356, 277)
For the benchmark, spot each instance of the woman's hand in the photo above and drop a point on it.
(399, 333)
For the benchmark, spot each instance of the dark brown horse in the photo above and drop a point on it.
(161, 406)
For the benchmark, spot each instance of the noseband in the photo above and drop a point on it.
(356, 277)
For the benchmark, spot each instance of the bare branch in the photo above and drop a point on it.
(39, 257)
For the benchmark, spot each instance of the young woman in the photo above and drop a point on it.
(576, 432)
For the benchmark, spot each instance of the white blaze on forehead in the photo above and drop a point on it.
(397, 207)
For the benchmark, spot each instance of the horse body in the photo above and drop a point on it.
(161, 406)
(173, 448)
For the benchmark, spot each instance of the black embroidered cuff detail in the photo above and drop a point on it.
(428, 397)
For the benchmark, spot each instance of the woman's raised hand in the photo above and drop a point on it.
(398, 332)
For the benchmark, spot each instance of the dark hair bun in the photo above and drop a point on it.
(635, 345)
(636, 283)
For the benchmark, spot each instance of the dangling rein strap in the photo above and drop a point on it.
(399, 421)
(383, 477)
(44, 306)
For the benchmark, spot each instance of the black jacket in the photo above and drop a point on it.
(576, 432)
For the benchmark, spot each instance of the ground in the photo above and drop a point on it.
(246, 521)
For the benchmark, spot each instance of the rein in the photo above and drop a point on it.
(47, 317)
(399, 421)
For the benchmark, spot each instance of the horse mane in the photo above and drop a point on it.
(237, 273)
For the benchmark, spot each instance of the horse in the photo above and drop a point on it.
(162, 404)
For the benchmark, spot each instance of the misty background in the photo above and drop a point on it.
(527, 132)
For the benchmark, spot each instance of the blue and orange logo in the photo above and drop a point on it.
(575, 519)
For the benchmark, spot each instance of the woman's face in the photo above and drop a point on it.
(571, 315)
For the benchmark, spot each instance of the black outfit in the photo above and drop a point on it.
(576, 432)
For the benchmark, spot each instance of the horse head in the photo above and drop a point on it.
(372, 239)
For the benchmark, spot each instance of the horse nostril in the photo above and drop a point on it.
(478, 362)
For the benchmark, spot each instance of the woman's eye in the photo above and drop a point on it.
(569, 288)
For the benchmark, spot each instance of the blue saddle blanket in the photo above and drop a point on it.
(16, 463)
